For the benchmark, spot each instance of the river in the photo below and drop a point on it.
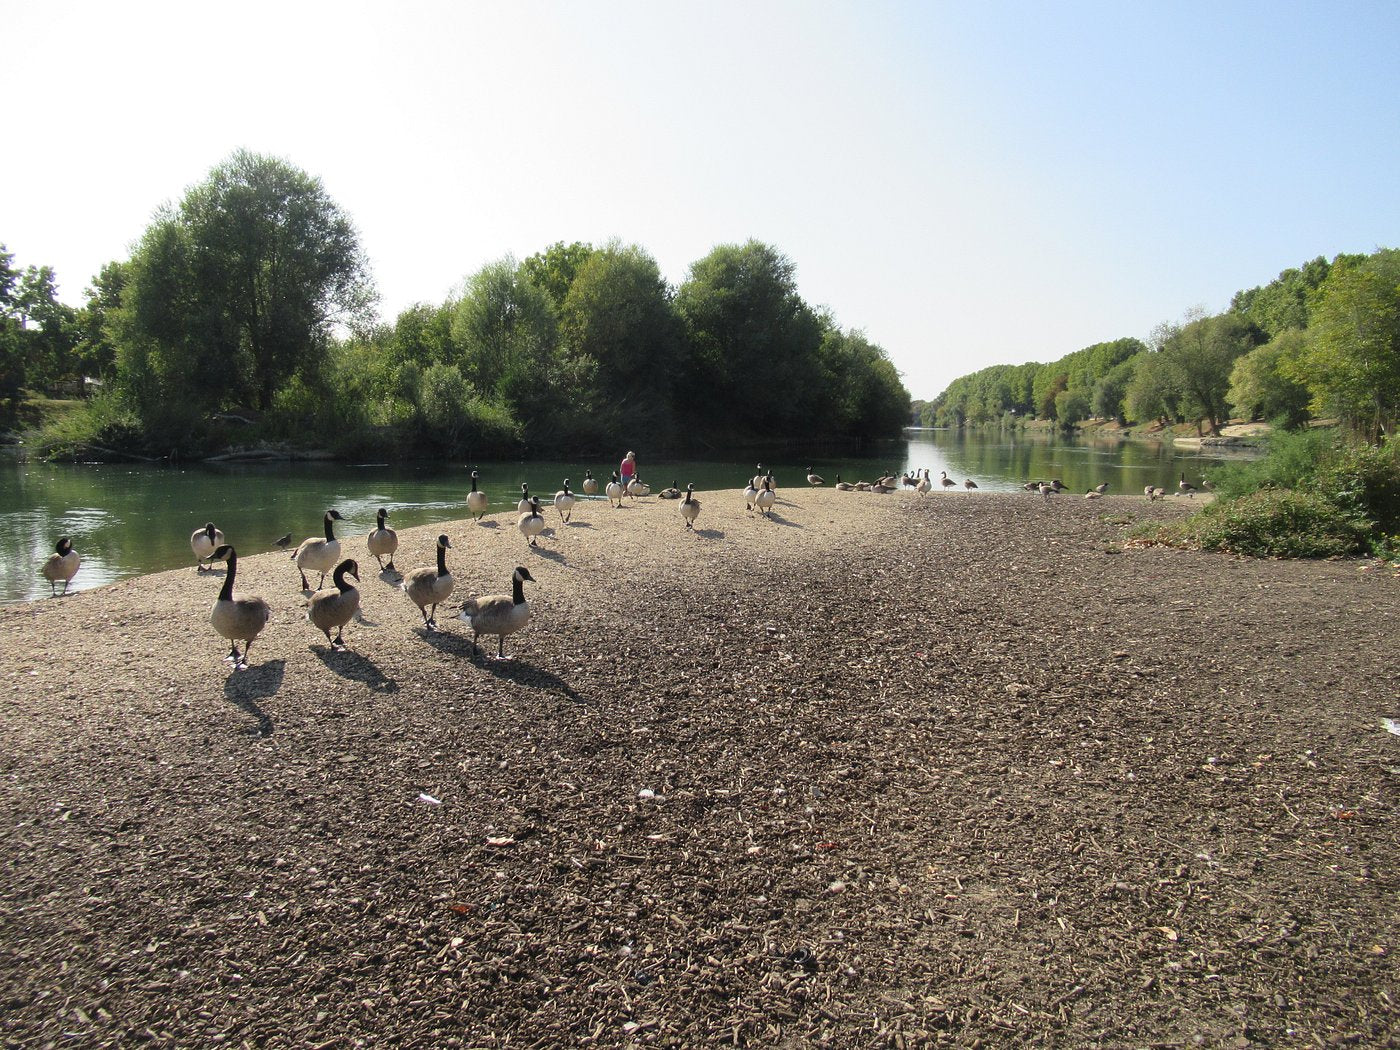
(127, 520)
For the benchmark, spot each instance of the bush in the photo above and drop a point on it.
(1280, 523)
(101, 424)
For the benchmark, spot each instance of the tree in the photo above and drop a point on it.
(505, 330)
(1352, 360)
(553, 270)
(1201, 354)
(1261, 386)
(1152, 393)
(241, 285)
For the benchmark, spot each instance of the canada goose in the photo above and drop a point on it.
(690, 507)
(1032, 486)
(62, 564)
(240, 618)
(1186, 488)
(751, 495)
(203, 542)
(531, 523)
(1047, 490)
(615, 491)
(636, 487)
(757, 480)
(564, 502)
(283, 542)
(336, 607)
(673, 492)
(842, 486)
(864, 486)
(1093, 494)
(476, 499)
(881, 487)
(1057, 484)
(923, 486)
(1157, 493)
(814, 479)
(1101, 488)
(382, 541)
(766, 498)
(499, 614)
(1207, 484)
(318, 554)
(590, 484)
(430, 585)
(1147, 491)
(911, 480)
(947, 482)
(524, 504)
(969, 484)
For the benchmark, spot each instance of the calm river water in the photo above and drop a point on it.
(126, 520)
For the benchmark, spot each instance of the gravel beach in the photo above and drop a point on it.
(880, 771)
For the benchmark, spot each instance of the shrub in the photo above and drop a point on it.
(1280, 523)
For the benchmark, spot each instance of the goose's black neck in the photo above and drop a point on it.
(330, 535)
(226, 592)
(442, 560)
(382, 515)
(518, 589)
(340, 571)
(473, 481)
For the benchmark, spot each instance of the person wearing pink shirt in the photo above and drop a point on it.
(628, 469)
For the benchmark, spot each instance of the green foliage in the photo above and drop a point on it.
(1260, 385)
(1279, 523)
(1199, 357)
(103, 422)
(1282, 304)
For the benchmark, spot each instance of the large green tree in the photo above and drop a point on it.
(1261, 385)
(1201, 355)
(238, 288)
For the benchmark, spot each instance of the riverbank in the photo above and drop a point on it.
(880, 771)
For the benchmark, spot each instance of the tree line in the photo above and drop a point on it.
(246, 313)
(1319, 341)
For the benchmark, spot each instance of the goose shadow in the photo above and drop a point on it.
(445, 641)
(778, 519)
(493, 524)
(545, 552)
(245, 688)
(525, 674)
(391, 577)
(579, 524)
(710, 534)
(358, 668)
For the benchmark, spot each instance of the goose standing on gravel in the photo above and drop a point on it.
(945, 480)
(531, 523)
(336, 606)
(476, 499)
(751, 494)
(1101, 488)
(319, 555)
(524, 504)
(430, 585)
(382, 541)
(590, 484)
(1047, 490)
(637, 487)
(62, 564)
(204, 542)
(615, 491)
(766, 497)
(564, 501)
(237, 617)
(1186, 488)
(969, 484)
(814, 478)
(690, 507)
(499, 614)
(283, 542)
(923, 486)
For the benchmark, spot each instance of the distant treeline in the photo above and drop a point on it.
(246, 314)
(1322, 340)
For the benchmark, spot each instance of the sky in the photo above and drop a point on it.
(968, 184)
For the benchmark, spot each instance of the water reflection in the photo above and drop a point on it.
(127, 520)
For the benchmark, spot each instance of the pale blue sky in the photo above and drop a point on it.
(968, 183)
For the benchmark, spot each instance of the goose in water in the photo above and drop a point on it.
(766, 497)
(615, 491)
(564, 501)
(690, 507)
(382, 541)
(814, 479)
(476, 499)
(430, 585)
(319, 555)
(531, 523)
(336, 606)
(499, 614)
(590, 484)
(62, 564)
(524, 504)
(237, 617)
(204, 542)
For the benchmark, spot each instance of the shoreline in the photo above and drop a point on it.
(875, 772)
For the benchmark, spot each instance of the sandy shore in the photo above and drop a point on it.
(881, 771)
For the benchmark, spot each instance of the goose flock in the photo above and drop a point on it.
(239, 617)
